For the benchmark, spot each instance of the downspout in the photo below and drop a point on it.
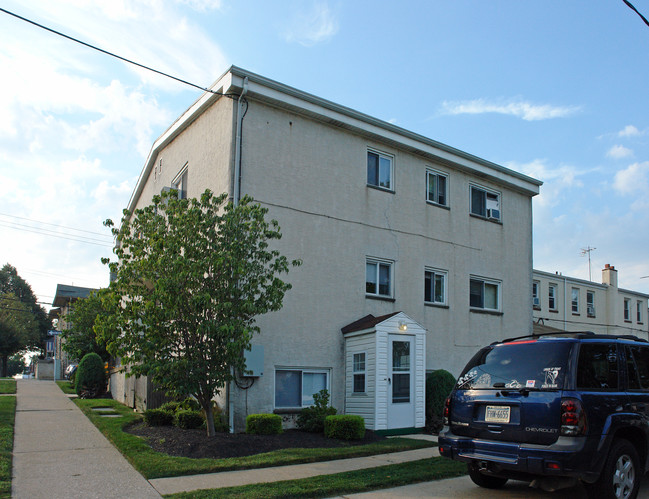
(236, 195)
(565, 303)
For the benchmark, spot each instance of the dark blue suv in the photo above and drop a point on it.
(554, 409)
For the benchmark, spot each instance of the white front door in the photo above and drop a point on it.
(401, 404)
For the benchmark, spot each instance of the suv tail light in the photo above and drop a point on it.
(573, 418)
(447, 410)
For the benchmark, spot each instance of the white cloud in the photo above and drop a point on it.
(520, 109)
(202, 5)
(619, 152)
(629, 131)
(633, 179)
(310, 27)
(556, 180)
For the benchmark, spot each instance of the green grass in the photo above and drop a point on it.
(394, 475)
(7, 419)
(154, 464)
(7, 385)
(66, 386)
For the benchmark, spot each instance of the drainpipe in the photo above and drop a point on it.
(237, 146)
(236, 195)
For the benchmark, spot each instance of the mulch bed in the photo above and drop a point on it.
(195, 443)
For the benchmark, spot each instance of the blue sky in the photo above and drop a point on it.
(555, 90)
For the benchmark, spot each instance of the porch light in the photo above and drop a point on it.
(403, 326)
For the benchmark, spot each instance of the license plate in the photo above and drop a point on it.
(497, 414)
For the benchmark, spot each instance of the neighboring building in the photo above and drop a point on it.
(566, 303)
(414, 253)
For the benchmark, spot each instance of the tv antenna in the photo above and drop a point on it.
(584, 252)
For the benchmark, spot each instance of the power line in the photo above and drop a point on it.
(46, 232)
(630, 5)
(56, 225)
(76, 40)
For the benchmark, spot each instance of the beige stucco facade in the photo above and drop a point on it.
(306, 159)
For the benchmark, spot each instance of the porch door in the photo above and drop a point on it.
(401, 404)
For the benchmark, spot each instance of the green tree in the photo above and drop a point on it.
(80, 337)
(191, 277)
(18, 328)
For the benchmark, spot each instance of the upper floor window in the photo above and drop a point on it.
(574, 301)
(379, 169)
(378, 278)
(627, 309)
(484, 293)
(436, 187)
(485, 203)
(359, 372)
(180, 183)
(552, 296)
(590, 303)
(639, 311)
(536, 294)
(435, 286)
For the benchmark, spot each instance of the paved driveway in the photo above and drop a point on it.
(464, 488)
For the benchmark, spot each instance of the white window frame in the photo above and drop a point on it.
(379, 263)
(359, 372)
(627, 310)
(303, 371)
(492, 209)
(536, 294)
(180, 182)
(486, 282)
(385, 156)
(639, 305)
(590, 305)
(574, 300)
(436, 173)
(552, 296)
(436, 272)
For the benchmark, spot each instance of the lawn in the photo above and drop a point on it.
(7, 385)
(156, 465)
(7, 419)
(66, 386)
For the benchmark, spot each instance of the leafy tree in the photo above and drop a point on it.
(12, 283)
(191, 278)
(18, 328)
(16, 365)
(80, 337)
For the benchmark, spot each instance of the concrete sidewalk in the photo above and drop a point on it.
(189, 483)
(58, 452)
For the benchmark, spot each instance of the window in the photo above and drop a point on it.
(590, 303)
(180, 183)
(295, 387)
(536, 296)
(485, 203)
(627, 310)
(637, 361)
(639, 312)
(552, 296)
(597, 367)
(484, 293)
(378, 278)
(379, 170)
(574, 302)
(435, 286)
(436, 187)
(359, 372)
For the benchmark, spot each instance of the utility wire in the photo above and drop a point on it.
(55, 234)
(630, 5)
(204, 89)
(56, 225)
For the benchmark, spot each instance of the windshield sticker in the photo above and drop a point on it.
(513, 384)
(551, 375)
(484, 380)
(530, 383)
(468, 377)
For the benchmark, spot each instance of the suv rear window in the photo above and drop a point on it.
(534, 365)
(597, 367)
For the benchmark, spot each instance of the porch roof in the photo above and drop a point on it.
(367, 322)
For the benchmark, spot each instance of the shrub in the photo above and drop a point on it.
(158, 417)
(344, 427)
(90, 378)
(189, 404)
(188, 419)
(312, 418)
(171, 406)
(439, 385)
(264, 424)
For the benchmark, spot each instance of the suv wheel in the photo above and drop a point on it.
(486, 481)
(620, 477)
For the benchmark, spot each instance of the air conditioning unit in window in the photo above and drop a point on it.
(536, 301)
(168, 189)
(590, 310)
(493, 214)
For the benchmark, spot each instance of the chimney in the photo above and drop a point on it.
(609, 275)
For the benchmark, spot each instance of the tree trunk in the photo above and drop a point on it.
(209, 419)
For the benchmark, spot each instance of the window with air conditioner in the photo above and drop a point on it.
(536, 294)
(590, 304)
(485, 203)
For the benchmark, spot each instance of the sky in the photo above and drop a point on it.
(556, 90)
